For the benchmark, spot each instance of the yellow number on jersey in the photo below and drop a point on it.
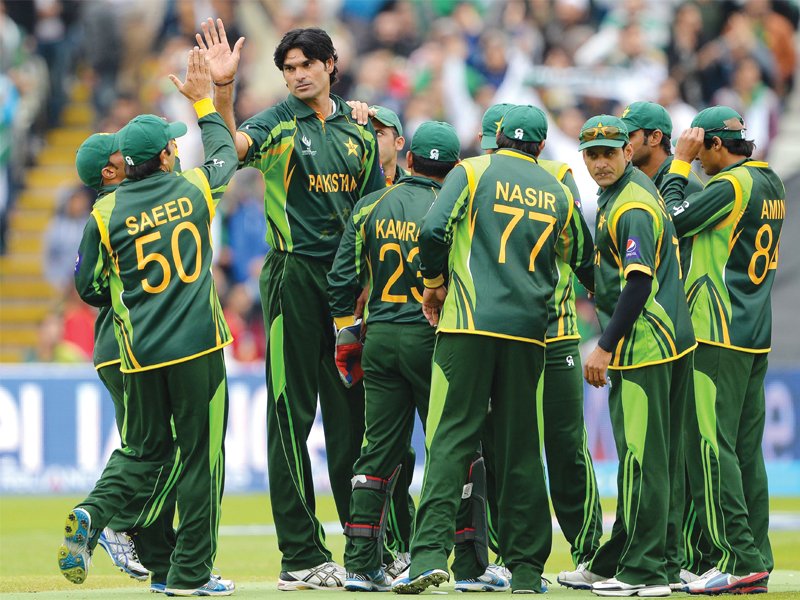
(142, 259)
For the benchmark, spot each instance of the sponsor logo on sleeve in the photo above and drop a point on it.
(632, 249)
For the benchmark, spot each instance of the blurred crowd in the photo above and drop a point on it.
(426, 59)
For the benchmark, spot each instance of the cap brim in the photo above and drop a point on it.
(602, 142)
(176, 129)
(488, 142)
(631, 126)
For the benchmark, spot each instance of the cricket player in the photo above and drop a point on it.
(389, 133)
(736, 224)
(154, 262)
(317, 162)
(380, 244)
(100, 166)
(494, 231)
(647, 344)
(650, 131)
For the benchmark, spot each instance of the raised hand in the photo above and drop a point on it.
(198, 77)
(223, 61)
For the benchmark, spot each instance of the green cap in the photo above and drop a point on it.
(146, 136)
(525, 123)
(436, 141)
(93, 155)
(490, 124)
(721, 121)
(603, 130)
(387, 117)
(647, 115)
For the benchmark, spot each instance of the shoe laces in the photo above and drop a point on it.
(132, 548)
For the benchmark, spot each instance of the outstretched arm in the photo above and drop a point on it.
(223, 62)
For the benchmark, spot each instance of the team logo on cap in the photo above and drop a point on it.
(129, 160)
(518, 133)
(434, 154)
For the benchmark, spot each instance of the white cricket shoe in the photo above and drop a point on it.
(579, 579)
(326, 576)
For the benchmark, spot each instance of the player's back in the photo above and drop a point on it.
(157, 231)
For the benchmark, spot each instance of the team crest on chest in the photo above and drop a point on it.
(307, 151)
(352, 147)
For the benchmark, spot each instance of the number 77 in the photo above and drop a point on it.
(516, 216)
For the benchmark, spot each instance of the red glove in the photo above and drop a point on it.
(348, 354)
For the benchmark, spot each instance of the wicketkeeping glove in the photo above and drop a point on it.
(348, 354)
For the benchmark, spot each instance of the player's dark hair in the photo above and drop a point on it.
(148, 167)
(532, 148)
(315, 43)
(665, 144)
(431, 168)
(737, 147)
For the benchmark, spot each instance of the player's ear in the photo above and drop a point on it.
(409, 160)
(655, 139)
(399, 142)
(109, 172)
(542, 145)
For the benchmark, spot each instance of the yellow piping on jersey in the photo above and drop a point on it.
(725, 335)
(653, 362)
(491, 334)
(107, 363)
(140, 369)
(666, 335)
(128, 350)
(732, 347)
(101, 226)
(612, 226)
(470, 322)
(737, 211)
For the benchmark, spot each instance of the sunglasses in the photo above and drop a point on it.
(606, 131)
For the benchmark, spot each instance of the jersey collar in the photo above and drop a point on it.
(303, 110)
(419, 180)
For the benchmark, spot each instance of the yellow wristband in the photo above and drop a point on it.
(204, 107)
(680, 167)
(344, 321)
(434, 283)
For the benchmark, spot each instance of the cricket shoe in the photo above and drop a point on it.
(373, 581)
(615, 587)
(326, 576)
(122, 550)
(716, 582)
(496, 578)
(406, 585)
(579, 579)
(214, 587)
(524, 590)
(74, 555)
(398, 565)
(161, 588)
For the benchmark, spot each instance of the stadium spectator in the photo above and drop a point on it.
(63, 236)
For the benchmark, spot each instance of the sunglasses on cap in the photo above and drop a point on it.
(729, 125)
(606, 131)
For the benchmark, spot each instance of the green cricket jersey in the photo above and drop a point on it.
(736, 225)
(693, 184)
(379, 245)
(314, 172)
(154, 258)
(106, 347)
(496, 228)
(563, 317)
(633, 232)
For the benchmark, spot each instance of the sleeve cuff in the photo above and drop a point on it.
(434, 283)
(680, 167)
(204, 107)
(341, 322)
(249, 139)
(637, 267)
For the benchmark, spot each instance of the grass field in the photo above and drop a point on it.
(31, 529)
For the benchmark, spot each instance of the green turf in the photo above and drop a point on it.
(31, 529)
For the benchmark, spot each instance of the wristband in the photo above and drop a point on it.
(224, 83)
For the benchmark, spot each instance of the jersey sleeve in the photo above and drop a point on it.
(439, 224)
(259, 131)
(91, 267)
(221, 160)
(701, 210)
(635, 238)
(575, 245)
(344, 278)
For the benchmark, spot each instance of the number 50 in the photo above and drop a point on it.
(144, 259)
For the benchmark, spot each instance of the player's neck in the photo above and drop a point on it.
(651, 167)
(321, 104)
(389, 169)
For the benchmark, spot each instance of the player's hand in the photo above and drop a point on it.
(432, 301)
(198, 77)
(689, 144)
(222, 60)
(361, 111)
(596, 366)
